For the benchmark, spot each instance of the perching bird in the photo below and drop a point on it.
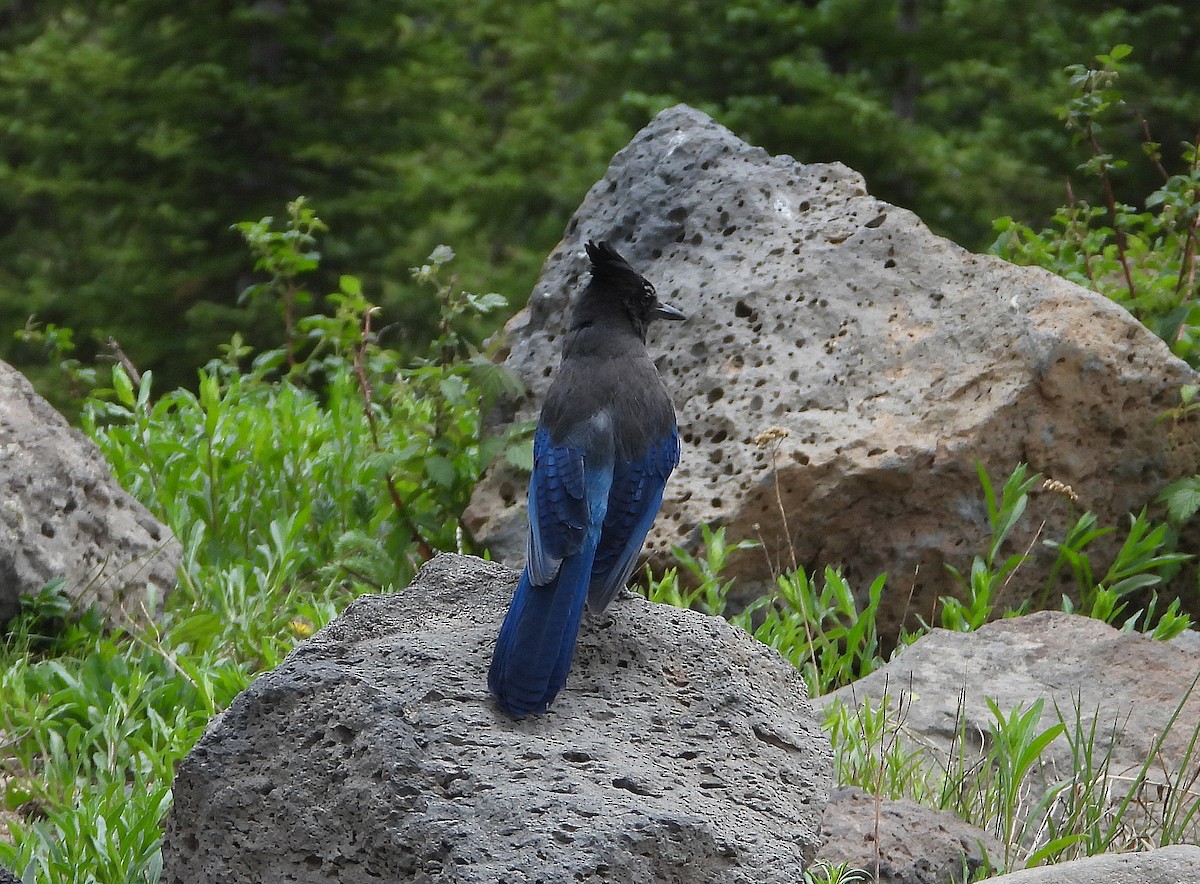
(604, 447)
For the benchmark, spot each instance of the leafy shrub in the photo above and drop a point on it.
(1143, 258)
(296, 478)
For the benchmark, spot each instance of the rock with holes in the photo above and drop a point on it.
(681, 750)
(901, 842)
(62, 515)
(842, 360)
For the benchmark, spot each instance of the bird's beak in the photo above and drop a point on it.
(665, 311)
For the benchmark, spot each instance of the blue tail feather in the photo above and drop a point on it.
(537, 640)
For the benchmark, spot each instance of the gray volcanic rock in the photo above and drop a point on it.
(890, 360)
(63, 515)
(1189, 642)
(1129, 684)
(1177, 864)
(681, 750)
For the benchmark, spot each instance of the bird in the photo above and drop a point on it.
(605, 444)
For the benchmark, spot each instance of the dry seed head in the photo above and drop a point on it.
(1061, 488)
(771, 435)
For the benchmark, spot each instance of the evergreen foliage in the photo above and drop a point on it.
(136, 132)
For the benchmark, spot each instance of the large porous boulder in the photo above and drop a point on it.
(62, 515)
(680, 751)
(1130, 688)
(886, 360)
(898, 841)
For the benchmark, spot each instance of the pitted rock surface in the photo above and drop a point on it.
(681, 751)
(63, 515)
(892, 358)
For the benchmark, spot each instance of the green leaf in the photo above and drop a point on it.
(441, 471)
(1182, 498)
(496, 381)
(520, 455)
(198, 628)
(123, 386)
(1053, 849)
(144, 389)
(489, 302)
(1120, 51)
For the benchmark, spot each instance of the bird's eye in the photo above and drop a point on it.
(648, 290)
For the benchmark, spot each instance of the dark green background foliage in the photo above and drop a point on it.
(135, 133)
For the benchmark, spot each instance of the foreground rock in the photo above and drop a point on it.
(63, 515)
(892, 358)
(681, 750)
(905, 843)
(1129, 684)
(1178, 864)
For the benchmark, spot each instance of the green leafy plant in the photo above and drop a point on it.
(50, 623)
(1144, 561)
(1144, 259)
(708, 592)
(295, 479)
(989, 573)
(869, 751)
(389, 448)
(822, 872)
(1139, 564)
(58, 343)
(818, 628)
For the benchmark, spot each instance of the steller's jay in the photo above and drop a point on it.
(604, 447)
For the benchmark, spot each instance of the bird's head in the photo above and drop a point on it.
(616, 284)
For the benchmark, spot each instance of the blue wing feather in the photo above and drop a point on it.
(633, 503)
(558, 508)
(537, 640)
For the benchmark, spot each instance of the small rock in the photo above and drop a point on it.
(1131, 685)
(917, 845)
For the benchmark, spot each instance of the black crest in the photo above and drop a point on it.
(608, 264)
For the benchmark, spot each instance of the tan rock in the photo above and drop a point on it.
(890, 359)
(902, 842)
